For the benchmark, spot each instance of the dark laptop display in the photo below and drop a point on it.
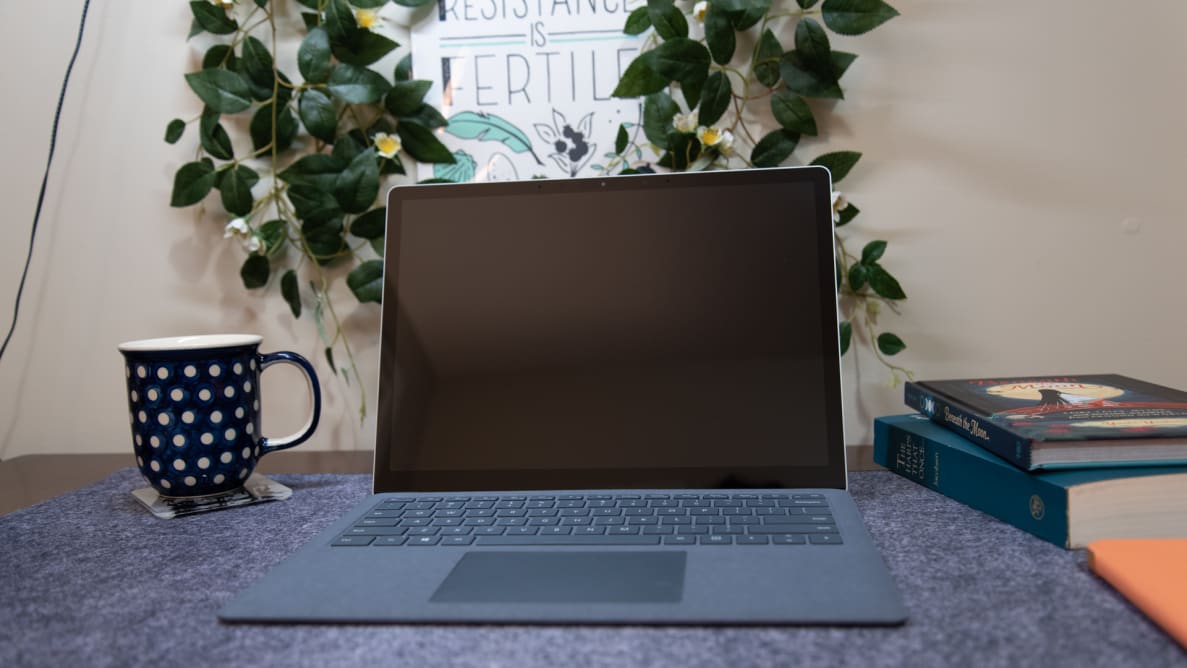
(602, 401)
(594, 335)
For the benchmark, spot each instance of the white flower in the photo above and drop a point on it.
(238, 228)
(839, 205)
(685, 122)
(721, 139)
(699, 10)
(367, 19)
(387, 145)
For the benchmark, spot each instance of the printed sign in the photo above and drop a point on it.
(526, 84)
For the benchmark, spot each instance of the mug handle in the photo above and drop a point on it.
(268, 445)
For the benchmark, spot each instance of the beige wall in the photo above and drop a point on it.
(1024, 159)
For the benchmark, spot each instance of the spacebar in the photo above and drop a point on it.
(567, 540)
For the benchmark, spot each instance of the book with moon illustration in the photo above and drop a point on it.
(1061, 421)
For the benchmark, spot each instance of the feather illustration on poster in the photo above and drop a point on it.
(525, 85)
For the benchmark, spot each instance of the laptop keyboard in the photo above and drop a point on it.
(596, 519)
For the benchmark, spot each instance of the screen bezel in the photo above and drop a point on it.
(829, 475)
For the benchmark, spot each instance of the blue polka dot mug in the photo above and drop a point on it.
(195, 410)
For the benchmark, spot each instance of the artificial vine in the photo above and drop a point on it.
(302, 198)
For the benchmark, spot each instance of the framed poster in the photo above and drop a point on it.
(526, 85)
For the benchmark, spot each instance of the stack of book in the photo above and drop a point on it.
(1071, 459)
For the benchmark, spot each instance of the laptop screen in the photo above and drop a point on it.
(652, 331)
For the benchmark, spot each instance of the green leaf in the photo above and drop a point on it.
(841, 62)
(669, 21)
(366, 281)
(220, 55)
(621, 139)
(318, 114)
(340, 24)
(368, 4)
(235, 189)
(766, 59)
(774, 148)
(357, 186)
(858, 275)
(715, 98)
(884, 284)
(174, 130)
(349, 146)
(357, 85)
(222, 90)
(255, 271)
(845, 330)
(212, 19)
(488, 127)
(257, 62)
(261, 128)
(640, 78)
(890, 344)
(422, 144)
(681, 59)
(324, 240)
(316, 170)
(214, 137)
(377, 246)
(405, 97)
(367, 48)
(192, 182)
(330, 359)
(412, 3)
(428, 116)
(872, 252)
(313, 205)
(806, 81)
(273, 236)
(745, 20)
(741, 5)
(637, 22)
(658, 111)
(291, 292)
(847, 214)
(719, 35)
(313, 56)
(811, 42)
(370, 225)
(262, 4)
(838, 163)
(792, 112)
(806, 4)
(854, 17)
(404, 69)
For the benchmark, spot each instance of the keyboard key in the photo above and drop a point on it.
(423, 540)
(751, 540)
(376, 531)
(457, 540)
(716, 539)
(567, 540)
(352, 541)
(789, 539)
(389, 541)
(825, 539)
(680, 540)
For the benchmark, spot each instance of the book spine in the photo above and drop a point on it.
(994, 488)
(970, 424)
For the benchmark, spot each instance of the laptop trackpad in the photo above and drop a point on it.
(564, 577)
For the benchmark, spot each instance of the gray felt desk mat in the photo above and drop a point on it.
(90, 578)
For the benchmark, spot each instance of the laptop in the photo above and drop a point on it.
(612, 401)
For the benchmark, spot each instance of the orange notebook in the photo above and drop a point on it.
(1151, 573)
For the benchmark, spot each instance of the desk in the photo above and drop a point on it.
(90, 578)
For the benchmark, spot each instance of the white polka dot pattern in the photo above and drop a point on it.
(195, 421)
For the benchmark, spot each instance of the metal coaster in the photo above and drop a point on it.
(257, 489)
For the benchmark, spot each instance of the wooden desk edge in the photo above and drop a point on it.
(30, 479)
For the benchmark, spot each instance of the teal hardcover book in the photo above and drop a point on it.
(1069, 507)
